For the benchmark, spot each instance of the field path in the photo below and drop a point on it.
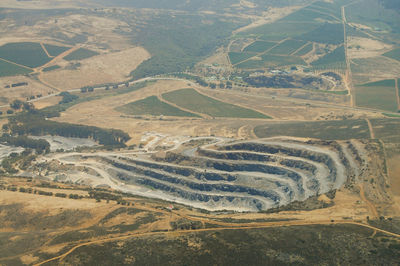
(45, 50)
(60, 56)
(262, 53)
(5, 60)
(371, 206)
(371, 129)
(396, 82)
(255, 226)
(349, 76)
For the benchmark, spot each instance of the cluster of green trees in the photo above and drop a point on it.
(39, 145)
(67, 97)
(35, 123)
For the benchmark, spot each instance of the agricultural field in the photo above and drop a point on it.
(80, 54)
(309, 15)
(334, 59)
(287, 47)
(269, 60)
(387, 129)
(379, 95)
(329, 33)
(192, 100)
(328, 130)
(9, 69)
(152, 106)
(259, 46)
(394, 54)
(28, 54)
(236, 58)
(55, 50)
(305, 50)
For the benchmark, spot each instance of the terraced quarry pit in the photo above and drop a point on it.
(220, 174)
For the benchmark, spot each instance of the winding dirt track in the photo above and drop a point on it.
(255, 226)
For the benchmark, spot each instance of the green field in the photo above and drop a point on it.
(236, 57)
(387, 129)
(152, 106)
(272, 61)
(25, 53)
(51, 68)
(55, 50)
(280, 30)
(287, 47)
(333, 130)
(380, 96)
(192, 100)
(331, 33)
(80, 54)
(305, 50)
(394, 54)
(308, 15)
(8, 69)
(259, 46)
(380, 83)
(334, 59)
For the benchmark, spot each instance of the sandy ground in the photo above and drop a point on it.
(38, 203)
(365, 48)
(47, 102)
(107, 68)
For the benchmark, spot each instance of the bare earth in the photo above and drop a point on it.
(365, 48)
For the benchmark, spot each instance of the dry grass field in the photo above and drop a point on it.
(105, 68)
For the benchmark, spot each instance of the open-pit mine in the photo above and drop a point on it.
(217, 173)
